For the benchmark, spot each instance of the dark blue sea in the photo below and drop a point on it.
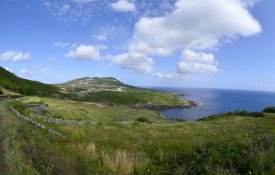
(216, 101)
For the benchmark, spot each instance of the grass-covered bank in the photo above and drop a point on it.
(225, 145)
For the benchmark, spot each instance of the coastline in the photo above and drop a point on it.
(157, 107)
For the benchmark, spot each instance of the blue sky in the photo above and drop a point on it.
(178, 43)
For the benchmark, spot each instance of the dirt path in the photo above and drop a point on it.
(3, 166)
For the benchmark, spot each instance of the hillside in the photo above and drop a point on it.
(10, 81)
(106, 90)
(111, 90)
(92, 138)
(87, 84)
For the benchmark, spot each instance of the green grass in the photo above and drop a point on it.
(13, 85)
(132, 97)
(68, 110)
(9, 92)
(225, 145)
(10, 81)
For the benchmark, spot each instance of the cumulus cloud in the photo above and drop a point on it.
(123, 6)
(85, 52)
(196, 63)
(14, 56)
(191, 63)
(134, 62)
(61, 44)
(194, 27)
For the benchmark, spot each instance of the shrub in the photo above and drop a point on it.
(269, 109)
(247, 113)
(243, 113)
(143, 119)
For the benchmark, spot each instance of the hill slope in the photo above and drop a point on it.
(105, 90)
(111, 90)
(87, 84)
(10, 81)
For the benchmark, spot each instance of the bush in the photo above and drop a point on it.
(143, 119)
(243, 113)
(247, 113)
(269, 109)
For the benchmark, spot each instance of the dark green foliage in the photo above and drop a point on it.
(234, 158)
(128, 98)
(269, 110)
(21, 108)
(243, 113)
(1, 92)
(10, 81)
(143, 119)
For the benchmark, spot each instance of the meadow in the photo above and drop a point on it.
(122, 143)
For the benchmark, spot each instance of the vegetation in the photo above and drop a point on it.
(242, 145)
(269, 109)
(72, 110)
(105, 90)
(1, 92)
(243, 113)
(87, 84)
(10, 81)
(107, 136)
(132, 97)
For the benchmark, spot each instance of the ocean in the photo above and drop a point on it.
(216, 101)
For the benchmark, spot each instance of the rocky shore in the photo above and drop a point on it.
(156, 107)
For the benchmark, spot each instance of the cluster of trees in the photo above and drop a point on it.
(269, 109)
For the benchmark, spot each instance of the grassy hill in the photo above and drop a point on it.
(86, 85)
(10, 81)
(111, 90)
(233, 144)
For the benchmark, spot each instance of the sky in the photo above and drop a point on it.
(226, 44)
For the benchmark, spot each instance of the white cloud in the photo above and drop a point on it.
(134, 62)
(196, 25)
(26, 72)
(84, 1)
(101, 37)
(61, 44)
(123, 6)
(191, 56)
(195, 67)
(14, 56)
(172, 74)
(196, 62)
(8, 69)
(86, 52)
(249, 3)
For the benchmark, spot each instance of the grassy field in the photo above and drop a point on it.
(131, 97)
(72, 110)
(221, 145)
